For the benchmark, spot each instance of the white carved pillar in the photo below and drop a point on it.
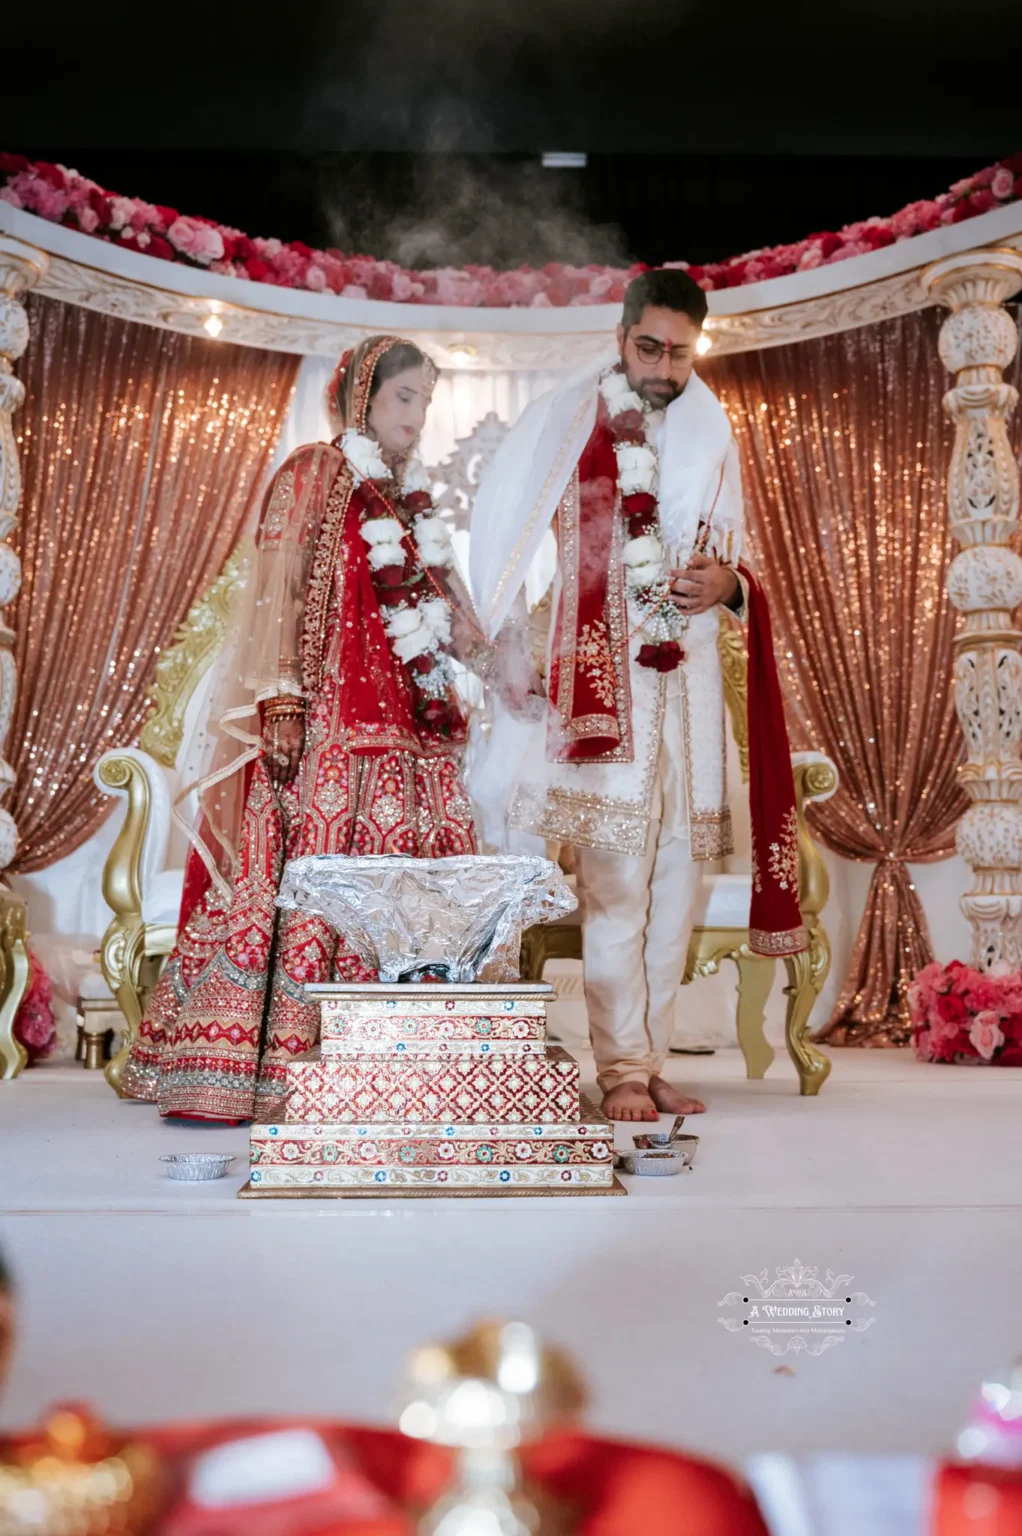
(21, 266)
(977, 342)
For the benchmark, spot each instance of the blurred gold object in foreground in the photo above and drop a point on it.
(485, 1395)
(72, 1478)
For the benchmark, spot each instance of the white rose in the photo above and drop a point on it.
(434, 541)
(613, 385)
(639, 576)
(626, 402)
(382, 555)
(644, 550)
(416, 478)
(403, 622)
(437, 617)
(636, 468)
(382, 530)
(417, 643)
(364, 457)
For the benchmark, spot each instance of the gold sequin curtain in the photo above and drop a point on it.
(141, 453)
(845, 449)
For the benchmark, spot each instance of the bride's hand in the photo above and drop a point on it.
(283, 742)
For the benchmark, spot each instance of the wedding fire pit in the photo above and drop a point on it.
(437, 1079)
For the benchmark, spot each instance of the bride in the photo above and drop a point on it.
(338, 730)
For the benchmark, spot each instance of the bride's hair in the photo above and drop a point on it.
(340, 395)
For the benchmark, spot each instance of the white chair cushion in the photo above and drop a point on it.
(162, 902)
(725, 901)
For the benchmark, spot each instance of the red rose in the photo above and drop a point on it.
(437, 714)
(628, 424)
(167, 215)
(257, 270)
(159, 247)
(301, 249)
(418, 501)
(390, 575)
(640, 504)
(664, 656)
(422, 664)
(51, 173)
(951, 1008)
(10, 165)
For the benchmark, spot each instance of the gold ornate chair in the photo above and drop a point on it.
(722, 932)
(143, 893)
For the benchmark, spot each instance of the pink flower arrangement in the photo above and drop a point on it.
(960, 1014)
(66, 197)
(34, 1024)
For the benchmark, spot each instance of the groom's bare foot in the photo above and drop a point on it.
(629, 1101)
(670, 1101)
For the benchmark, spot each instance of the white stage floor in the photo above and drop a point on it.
(160, 1300)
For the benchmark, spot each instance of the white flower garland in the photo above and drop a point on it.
(644, 557)
(421, 628)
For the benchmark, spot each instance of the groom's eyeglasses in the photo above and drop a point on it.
(650, 351)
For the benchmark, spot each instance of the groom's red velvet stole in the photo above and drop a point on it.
(589, 682)
(775, 918)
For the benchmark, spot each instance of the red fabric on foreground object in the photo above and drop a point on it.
(974, 1500)
(592, 1487)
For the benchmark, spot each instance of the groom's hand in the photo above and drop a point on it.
(702, 584)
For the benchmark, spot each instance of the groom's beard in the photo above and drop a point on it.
(657, 393)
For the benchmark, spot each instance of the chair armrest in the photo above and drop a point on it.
(139, 846)
(816, 778)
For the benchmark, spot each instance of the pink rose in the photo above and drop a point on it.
(985, 1033)
(315, 278)
(1003, 184)
(201, 242)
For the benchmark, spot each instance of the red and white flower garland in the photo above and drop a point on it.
(633, 429)
(66, 197)
(417, 617)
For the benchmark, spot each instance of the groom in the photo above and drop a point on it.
(636, 470)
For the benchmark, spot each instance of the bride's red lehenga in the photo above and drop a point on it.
(379, 774)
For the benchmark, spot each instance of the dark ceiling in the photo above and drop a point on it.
(412, 127)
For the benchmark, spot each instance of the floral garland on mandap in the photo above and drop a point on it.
(407, 565)
(963, 1015)
(66, 197)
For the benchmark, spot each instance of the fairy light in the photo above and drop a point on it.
(704, 344)
(213, 325)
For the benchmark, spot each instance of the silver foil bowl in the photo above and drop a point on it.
(195, 1167)
(661, 1162)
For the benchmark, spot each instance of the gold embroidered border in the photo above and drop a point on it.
(792, 941)
(324, 562)
(587, 821)
(710, 834)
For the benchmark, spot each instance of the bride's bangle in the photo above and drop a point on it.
(284, 707)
